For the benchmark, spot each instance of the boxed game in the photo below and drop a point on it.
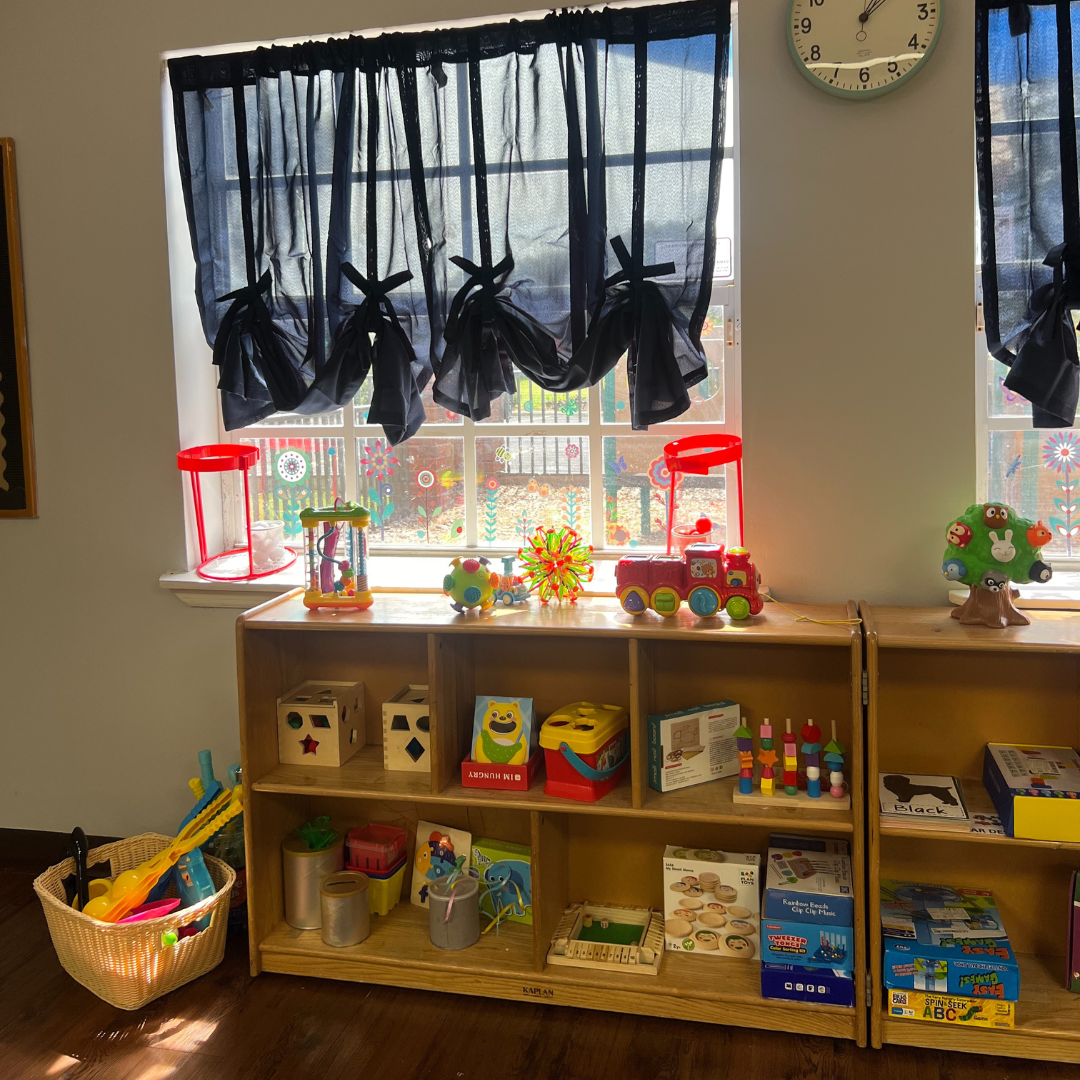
(711, 902)
(692, 746)
(950, 1009)
(820, 985)
(1072, 948)
(946, 940)
(808, 879)
(1036, 790)
(505, 873)
(807, 944)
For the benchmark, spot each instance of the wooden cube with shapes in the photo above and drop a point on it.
(406, 730)
(321, 723)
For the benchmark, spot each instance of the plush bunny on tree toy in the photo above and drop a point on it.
(991, 546)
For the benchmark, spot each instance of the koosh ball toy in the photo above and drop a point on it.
(556, 564)
(470, 584)
(990, 547)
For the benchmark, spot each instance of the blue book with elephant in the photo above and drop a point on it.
(505, 873)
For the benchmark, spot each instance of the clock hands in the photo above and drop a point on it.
(869, 8)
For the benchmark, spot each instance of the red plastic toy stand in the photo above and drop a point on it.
(697, 454)
(482, 774)
(219, 458)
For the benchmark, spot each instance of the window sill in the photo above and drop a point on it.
(1061, 594)
(388, 573)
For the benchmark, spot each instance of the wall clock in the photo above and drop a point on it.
(862, 48)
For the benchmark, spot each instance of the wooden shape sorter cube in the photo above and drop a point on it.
(321, 723)
(406, 734)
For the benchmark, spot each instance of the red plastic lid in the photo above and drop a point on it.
(679, 455)
(217, 457)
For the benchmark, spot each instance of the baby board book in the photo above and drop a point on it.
(808, 879)
(692, 746)
(712, 902)
(505, 873)
(505, 731)
(921, 798)
(946, 940)
(439, 850)
(1036, 790)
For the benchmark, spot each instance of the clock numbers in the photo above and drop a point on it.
(861, 48)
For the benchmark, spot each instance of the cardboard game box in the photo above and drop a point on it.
(820, 985)
(505, 873)
(712, 902)
(1072, 950)
(951, 1009)
(692, 746)
(1035, 789)
(946, 940)
(807, 944)
(808, 880)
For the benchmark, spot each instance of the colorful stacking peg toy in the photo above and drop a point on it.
(767, 757)
(834, 760)
(744, 743)
(791, 762)
(810, 734)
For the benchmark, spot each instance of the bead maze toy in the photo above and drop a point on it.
(609, 937)
(321, 723)
(707, 578)
(335, 544)
(556, 564)
(470, 584)
(792, 788)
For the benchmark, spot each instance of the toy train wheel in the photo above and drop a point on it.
(665, 601)
(634, 600)
(738, 607)
(507, 599)
(703, 602)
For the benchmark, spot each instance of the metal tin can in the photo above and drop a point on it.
(346, 919)
(304, 871)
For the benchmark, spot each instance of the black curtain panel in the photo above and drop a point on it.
(467, 207)
(1026, 56)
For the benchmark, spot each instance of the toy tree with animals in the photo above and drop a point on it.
(989, 547)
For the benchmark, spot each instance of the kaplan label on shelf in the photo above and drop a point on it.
(807, 944)
(951, 1009)
(1035, 789)
(786, 982)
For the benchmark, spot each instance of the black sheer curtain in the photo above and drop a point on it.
(464, 207)
(1026, 56)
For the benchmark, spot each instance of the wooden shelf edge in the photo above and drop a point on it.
(795, 1017)
(1043, 1046)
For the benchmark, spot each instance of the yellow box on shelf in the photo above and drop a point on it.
(1035, 790)
(951, 1009)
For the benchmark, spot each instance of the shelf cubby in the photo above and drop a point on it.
(610, 850)
(938, 692)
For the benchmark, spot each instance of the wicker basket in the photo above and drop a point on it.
(127, 965)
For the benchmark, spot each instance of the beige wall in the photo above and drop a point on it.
(856, 308)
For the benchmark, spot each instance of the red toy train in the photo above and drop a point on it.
(702, 576)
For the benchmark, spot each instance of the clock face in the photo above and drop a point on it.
(862, 48)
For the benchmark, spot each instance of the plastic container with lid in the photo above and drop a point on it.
(375, 847)
(586, 750)
(384, 887)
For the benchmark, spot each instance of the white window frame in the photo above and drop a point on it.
(200, 409)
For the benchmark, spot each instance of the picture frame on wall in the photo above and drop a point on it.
(18, 495)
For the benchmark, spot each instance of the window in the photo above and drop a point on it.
(541, 458)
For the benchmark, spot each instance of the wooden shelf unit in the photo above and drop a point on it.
(938, 692)
(608, 851)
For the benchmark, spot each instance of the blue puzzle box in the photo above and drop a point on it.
(807, 944)
(944, 939)
(824, 986)
(808, 880)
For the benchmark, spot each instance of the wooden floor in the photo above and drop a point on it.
(227, 1026)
